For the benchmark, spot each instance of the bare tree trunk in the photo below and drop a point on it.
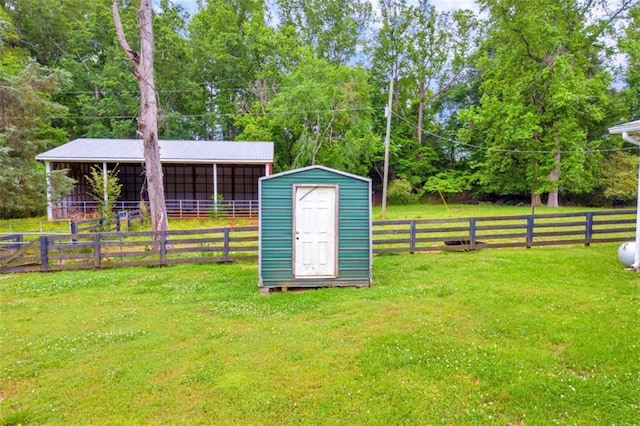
(421, 91)
(535, 199)
(148, 121)
(554, 177)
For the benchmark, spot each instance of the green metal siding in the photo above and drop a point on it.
(276, 228)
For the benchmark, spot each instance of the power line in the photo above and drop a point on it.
(210, 115)
(214, 115)
(511, 151)
(207, 87)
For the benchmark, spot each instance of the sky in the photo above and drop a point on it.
(442, 5)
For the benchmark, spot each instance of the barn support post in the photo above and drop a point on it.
(215, 187)
(105, 183)
(47, 166)
(588, 229)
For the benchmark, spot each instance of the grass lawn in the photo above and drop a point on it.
(440, 210)
(539, 336)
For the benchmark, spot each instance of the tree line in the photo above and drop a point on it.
(510, 103)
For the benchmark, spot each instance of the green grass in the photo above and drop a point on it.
(539, 336)
(440, 210)
(35, 225)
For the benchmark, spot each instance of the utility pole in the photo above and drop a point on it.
(387, 142)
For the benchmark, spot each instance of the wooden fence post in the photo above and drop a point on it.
(20, 241)
(412, 237)
(226, 251)
(163, 248)
(588, 229)
(472, 233)
(44, 253)
(530, 226)
(73, 227)
(97, 252)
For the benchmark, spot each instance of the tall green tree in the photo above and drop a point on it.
(427, 54)
(326, 110)
(630, 45)
(620, 176)
(102, 95)
(543, 89)
(43, 27)
(226, 60)
(440, 45)
(388, 66)
(181, 94)
(335, 30)
(26, 111)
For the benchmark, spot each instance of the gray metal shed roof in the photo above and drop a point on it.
(171, 151)
(633, 126)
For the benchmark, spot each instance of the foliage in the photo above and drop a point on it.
(105, 190)
(26, 128)
(428, 55)
(620, 176)
(450, 182)
(630, 45)
(60, 184)
(228, 41)
(519, 97)
(335, 30)
(400, 192)
(144, 212)
(220, 208)
(325, 108)
(197, 344)
(543, 90)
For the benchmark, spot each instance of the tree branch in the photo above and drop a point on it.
(131, 54)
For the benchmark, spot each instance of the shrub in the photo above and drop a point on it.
(105, 190)
(400, 192)
(220, 209)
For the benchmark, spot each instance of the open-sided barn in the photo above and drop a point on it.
(196, 173)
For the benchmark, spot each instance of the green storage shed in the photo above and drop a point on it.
(315, 229)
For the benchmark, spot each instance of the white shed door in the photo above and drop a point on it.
(315, 231)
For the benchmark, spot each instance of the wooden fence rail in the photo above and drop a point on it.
(84, 250)
(503, 231)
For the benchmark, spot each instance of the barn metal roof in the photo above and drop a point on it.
(171, 151)
(633, 126)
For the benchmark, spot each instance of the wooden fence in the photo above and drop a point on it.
(116, 249)
(124, 218)
(84, 250)
(503, 231)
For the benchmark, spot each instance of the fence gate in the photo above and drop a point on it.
(16, 255)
